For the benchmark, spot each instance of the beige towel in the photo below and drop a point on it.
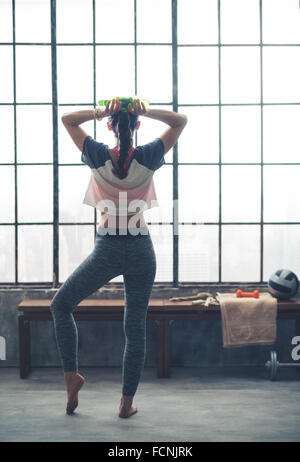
(247, 320)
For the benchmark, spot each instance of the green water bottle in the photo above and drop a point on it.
(125, 101)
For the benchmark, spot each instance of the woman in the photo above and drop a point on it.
(121, 178)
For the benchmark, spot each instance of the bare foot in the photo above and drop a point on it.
(126, 409)
(74, 383)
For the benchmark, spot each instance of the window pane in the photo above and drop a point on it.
(73, 182)
(37, 120)
(195, 148)
(75, 74)
(162, 238)
(151, 129)
(241, 134)
(120, 82)
(7, 254)
(240, 75)
(281, 71)
(163, 182)
(114, 21)
(197, 21)
(74, 21)
(75, 244)
(6, 78)
(33, 21)
(7, 135)
(148, 59)
(6, 21)
(240, 253)
(33, 74)
(281, 21)
(35, 196)
(7, 194)
(103, 134)
(282, 191)
(278, 251)
(156, 12)
(35, 258)
(68, 153)
(281, 133)
(198, 193)
(241, 193)
(240, 21)
(198, 75)
(198, 253)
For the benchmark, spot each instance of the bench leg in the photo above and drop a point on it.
(167, 347)
(160, 348)
(297, 334)
(24, 346)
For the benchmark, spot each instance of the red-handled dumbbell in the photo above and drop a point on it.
(254, 294)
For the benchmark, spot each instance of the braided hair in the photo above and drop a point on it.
(126, 123)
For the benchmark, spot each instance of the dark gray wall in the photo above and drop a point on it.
(193, 343)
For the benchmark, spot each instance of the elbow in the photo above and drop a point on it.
(181, 121)
(64, 118)
(184, 119)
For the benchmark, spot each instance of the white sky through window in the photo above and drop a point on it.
(219, 88)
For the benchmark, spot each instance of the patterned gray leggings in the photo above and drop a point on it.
(132, 256)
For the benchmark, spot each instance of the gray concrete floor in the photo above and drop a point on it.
(195, 404)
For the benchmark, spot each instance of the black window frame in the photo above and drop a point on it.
(176, 165)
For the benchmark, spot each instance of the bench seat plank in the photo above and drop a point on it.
(90, 304)
(100, 305)
(292, 304)
(163, 311)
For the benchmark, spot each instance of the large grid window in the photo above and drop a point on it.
(229, 192)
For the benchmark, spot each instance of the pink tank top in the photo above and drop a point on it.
(128, 158)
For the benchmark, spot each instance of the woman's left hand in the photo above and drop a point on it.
(112, 107)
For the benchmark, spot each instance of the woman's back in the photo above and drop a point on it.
(121, 180)
(135, 192)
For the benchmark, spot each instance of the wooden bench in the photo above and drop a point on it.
(87, 310)
(162, 311)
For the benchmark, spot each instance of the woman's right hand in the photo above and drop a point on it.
(138, 107)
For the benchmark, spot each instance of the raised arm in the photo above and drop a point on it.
(176, 122)
(72, 120)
